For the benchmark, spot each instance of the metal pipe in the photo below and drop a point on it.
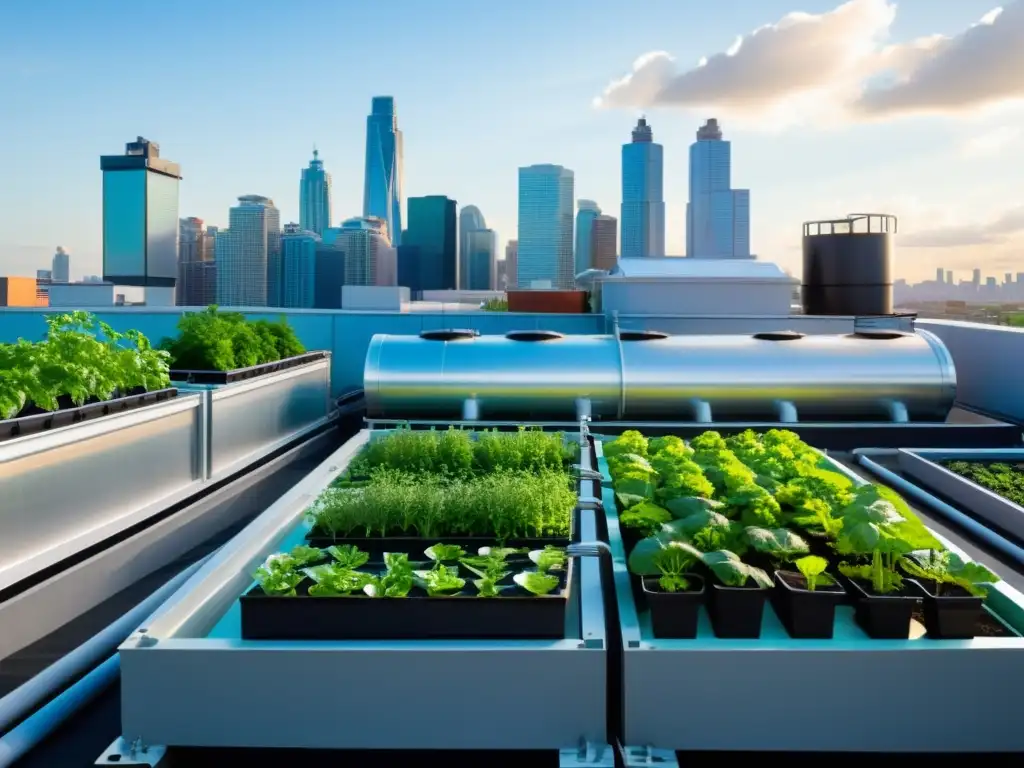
(27, 696)
(991, 539)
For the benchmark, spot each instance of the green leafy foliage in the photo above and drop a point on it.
(336, 580)
(813, 568)
(440, 580)
(673, 562)
(780, 544)
(727, 567)
(535, 582)
(999, 477)
(348, 556)
(948, 568)
(630, 441)
(646, 517)
(550, 558)
(445, 553)
(81, 358)
(212, 340)
(303, 556)
(397, 579)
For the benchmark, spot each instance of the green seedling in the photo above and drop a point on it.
(812, 568)
(536, 583)
(348, 556)
(948, 568)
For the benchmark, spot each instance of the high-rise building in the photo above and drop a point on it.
(370, 259)
(315, 197)
(587, 211)
(717, 216)
(470, 219)
(432, 229)
(298, 267)
(140, 219)
(512, 264)
(481, 245)
(938, 274)
(643, 200)
(382, 185)
(330, 270)
(197, 270)
(545, 257)
(500, 276)
(604, 242)
(249, 255)
(60, 268)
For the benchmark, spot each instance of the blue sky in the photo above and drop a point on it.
(238, 92)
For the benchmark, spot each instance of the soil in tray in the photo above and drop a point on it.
(515, 614)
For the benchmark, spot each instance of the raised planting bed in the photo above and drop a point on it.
(442, 593)
(214, 347)
(410, 489)
(81, 370)
(988, 484)
(811, 636)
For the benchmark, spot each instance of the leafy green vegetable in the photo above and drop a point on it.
(948, 568)
(303, 556)
(535, 582)
(396, 581)
(549, 559)
(444, 553)
(629, 441)
(727, 567)
(277, 578)
(440, 581)
(780, 544)
(672, 562)
(335, 580)
(646, 517)
(348, 556)
(1000, 477)
(813, 569)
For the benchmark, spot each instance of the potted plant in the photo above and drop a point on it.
(805, 601)
(675, 597)
(773, 546)
(641, 521)
(736, 601)
(952, 591)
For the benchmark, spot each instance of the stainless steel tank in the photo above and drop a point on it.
(772, 377)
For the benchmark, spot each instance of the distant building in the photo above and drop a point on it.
(545, 257)
(315, 197)
(20, 292)
(643, 201)
(481, 246)
(370, 258)
(604, 243)
(61, 266)
(249, 255)
(411, 267)
(470, 219)
(197, 269)
(140, 219)
(511, 264)
(298, 264)
(330, 270)
(587, 211)
(717, 216)
(432, 228)
(382, 184)
(82, 295)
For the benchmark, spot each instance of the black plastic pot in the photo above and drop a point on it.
(674, 614)
(630, 537)
(884, 617)
(950, 616)
(737, 612)
(803, 612)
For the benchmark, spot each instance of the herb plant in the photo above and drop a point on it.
(396, 581)
(212, 340)
(336, 580)
(812, 568)
(673, 562)
(949, 569)
(999, 477)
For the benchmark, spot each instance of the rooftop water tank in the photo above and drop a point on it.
(848, 265)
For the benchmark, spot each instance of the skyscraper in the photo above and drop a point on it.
(140, 219)
(197, 286)
(481, 245)
(512, 264)
(315, 197)
(545, 258)
(249, 255)
(643, 201)
(370, 259)
(470, 219)
(60, 268)
(382, 185)
(432, 229)
(717, 216)
(604, 242)
(587, 211)
(298, 267)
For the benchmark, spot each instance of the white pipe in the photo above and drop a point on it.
(27, 696)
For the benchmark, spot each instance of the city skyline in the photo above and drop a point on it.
(950, 178)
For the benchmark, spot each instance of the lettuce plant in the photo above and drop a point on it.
(948, 568)
(535, 582)
(812, 568)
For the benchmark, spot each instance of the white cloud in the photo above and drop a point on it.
(837, 63)
(1003, 228)
(990, 143)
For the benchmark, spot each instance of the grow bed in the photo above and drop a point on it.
(548, 693)
(243, 374)
(32, 420)
(986, 483)
(858, 669)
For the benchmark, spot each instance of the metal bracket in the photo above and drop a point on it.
(589, 502)
(588, 549)
(786, 412)
(587, 474)
(471, 409)
(134, 752)
(702, 411)
(587, 753)
(636, 757)
(898, 412)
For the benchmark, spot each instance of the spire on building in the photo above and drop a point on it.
(642, 134)
(710, 131)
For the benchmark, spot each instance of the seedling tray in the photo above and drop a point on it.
(241, 374)
(515, 614)
(378, 545)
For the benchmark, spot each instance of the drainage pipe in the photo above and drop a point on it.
(988, 537)
(87, 656)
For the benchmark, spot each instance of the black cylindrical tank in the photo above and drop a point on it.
(848, 265)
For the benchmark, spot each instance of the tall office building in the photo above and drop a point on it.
(643, 200)
(370, 259)
(604, 242)
(298, 267)
(481, 253)
(717, 216)
(382, 185)
(315, 197)
(249, 255)
(60, 267)
(330, 270)
(545, 257)
(470, 219)
(140, 220)
(587, 211)
(197, 270)
(512, 264)
(432, 229)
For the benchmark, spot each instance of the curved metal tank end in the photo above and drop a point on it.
(371, 374)
(946, 365)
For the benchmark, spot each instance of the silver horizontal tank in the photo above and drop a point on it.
(770, 377)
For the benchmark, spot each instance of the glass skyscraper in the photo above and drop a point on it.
(643, 200)
(370, 259)
(717, 216)
(470, 219)
(481, 253)
(382, 185)
(587, 211)
(249, 255)
(298, 267)
(315, 197)
(545, 250)
(432, 229)
(61, 266)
